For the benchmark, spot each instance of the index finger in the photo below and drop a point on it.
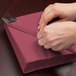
(40, 34)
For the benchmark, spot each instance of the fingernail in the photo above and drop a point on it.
(38, 27)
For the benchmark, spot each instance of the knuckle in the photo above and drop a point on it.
(40, 43)
(37, 35)
(55, 4)
(55, 7)
(48, 7)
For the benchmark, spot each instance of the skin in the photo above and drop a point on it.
(58, 35)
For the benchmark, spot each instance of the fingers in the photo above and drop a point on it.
(45, 11)
(42, 41)
(52, 43)
(47, 18)
(48, 14)
(48, 45)
(40, 34)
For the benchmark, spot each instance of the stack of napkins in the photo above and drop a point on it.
(30, 55)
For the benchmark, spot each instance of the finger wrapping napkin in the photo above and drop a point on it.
(30, 55)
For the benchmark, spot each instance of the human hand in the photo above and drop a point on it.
(58, 36)
(65, 11)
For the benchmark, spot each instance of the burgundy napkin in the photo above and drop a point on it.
(30, 55)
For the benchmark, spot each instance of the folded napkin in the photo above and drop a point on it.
(30, 55)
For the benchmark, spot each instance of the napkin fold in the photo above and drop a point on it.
(30, 55)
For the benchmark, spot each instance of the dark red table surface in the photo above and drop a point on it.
(9, 65)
